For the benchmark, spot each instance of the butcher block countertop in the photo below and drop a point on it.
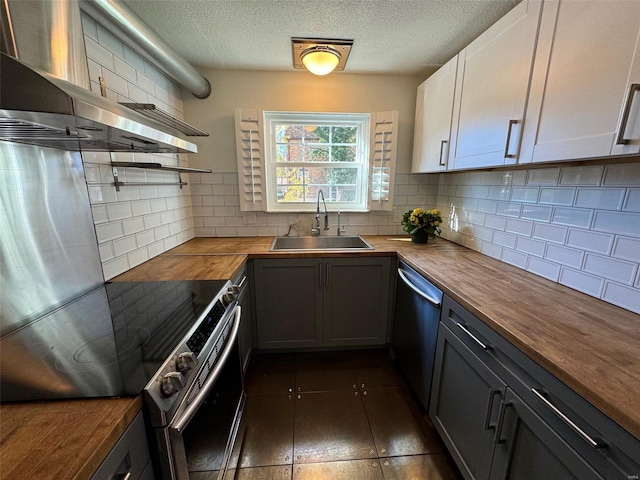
(67, 439)
(592, 346)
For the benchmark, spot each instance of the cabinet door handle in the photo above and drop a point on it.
(506, 147)
(587, 438)
(326, 272)
(127, 476)
(503, 410)
(487, 416)
(633, 89)
(442, 143)
(475, 339)
(320, 275)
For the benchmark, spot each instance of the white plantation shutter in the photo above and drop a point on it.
(382, 164)
(250, 156)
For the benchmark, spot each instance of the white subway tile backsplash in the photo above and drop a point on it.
(109, 231)
(600, 198)
(590, 241)
(543, 176)
(118, 211)
(622, 174)
(99, 213)
(536, 212)
(572, 217)
(627, 248)
(583, 282)
(617, 223)
(514, 258)
(133, 225)
(151, 221)
(499, 192)
(543, 268)
(521, 227)
(632, 203)
(508, 209)
(490, 249)
(550, 233)
(145, 237)
(606, 267)
(623, 296)
(115, 267)
(98, 53)
(504, 239)
(495, 222)
(557, 195)
(524, 194)
(591, 175)
(124, 245)
(564, 256)
(518, 177)
(532, 247)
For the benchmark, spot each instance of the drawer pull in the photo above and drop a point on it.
(487, 417)
(587, 438)
(475, 339)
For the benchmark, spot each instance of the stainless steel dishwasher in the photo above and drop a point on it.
(415, 329)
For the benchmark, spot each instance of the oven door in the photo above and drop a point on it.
(201, 436)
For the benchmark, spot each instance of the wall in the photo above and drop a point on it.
(576, 225)
(136, 223)
(215, 196)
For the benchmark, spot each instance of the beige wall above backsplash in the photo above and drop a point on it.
(295, 91)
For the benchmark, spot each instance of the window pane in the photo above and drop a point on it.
(322, 135)
(316, 154)
(344, 135)
(343, 154)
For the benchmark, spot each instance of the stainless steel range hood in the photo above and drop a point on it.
(43, 108)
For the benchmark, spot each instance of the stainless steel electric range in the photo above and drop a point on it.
(175, 342)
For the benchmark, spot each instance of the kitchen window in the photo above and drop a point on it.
(285, 158)
(308, 152)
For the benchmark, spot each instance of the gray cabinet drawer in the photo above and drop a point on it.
(616, 453)
(129, 455)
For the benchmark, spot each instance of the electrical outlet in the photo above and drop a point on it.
(249, 218)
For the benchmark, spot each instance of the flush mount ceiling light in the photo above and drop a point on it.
(320, 55)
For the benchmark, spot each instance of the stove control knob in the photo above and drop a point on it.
(186, 361)
(171, 383)
(229, 297)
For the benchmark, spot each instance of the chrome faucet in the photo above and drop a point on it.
(316, 230)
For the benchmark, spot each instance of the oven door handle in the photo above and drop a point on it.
(179, 423)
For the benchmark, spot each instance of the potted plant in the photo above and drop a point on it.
(421, 225)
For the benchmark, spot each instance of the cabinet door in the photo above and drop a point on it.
(491, 90)
(527, 448)
(288, 300)
(582, 80)
(465, 395)
(434, 111)
(356, 301)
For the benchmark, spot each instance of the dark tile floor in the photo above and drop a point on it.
(334, 415)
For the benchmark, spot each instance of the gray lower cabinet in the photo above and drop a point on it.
(502, 416)
(318, 302)
(130, 457)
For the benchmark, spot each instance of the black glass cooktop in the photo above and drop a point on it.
(107, 343)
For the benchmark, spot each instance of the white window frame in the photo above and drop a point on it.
(361, 120)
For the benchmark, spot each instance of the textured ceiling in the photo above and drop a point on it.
(390, 36)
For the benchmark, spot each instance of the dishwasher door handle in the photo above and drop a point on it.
(433, 301)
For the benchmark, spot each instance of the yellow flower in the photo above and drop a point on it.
(417, 211)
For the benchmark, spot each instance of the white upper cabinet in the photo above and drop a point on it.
(434, 111)
(492, 85)
(585, 81)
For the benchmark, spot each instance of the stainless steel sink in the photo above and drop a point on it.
(320, 243)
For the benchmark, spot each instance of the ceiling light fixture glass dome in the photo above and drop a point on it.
(321, 59)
